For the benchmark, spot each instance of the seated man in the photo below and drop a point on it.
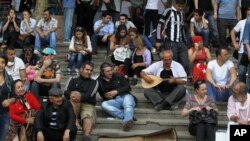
(115, 91)
(124, 21)
(238, 106)
(81, 92)
(199, 26)
(15, 66)
(46, 31)
(56, 120)
(103, 29)
(47, 74)
(168, 93)
(221, 75)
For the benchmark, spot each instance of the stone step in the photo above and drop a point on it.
(181, 135)
(150, 113)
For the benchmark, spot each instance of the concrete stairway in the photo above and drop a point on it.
(148, 120)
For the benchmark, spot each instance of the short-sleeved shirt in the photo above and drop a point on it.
(192, 102)
(107, 29)
(240, 28)
(14, 71)
(227, 8)
(23, 27)
(157, 67)
(49, 72)
(198, 26)
(128, 24)
(47, 25)
(220, 74)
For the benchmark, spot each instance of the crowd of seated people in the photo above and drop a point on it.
(36, 74)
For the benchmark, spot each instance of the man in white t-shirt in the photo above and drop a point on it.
(221, 75)
(15, 66)
(239, 28)
(199, 26)
(124, 21)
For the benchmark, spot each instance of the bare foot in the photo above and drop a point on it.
(78, 126)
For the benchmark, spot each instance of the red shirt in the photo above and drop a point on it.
(17, 109)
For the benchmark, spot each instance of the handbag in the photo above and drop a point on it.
(121, 53)
(21, 38)
(110, 5)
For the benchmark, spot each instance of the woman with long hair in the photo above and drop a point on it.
(80, 49)
(6, 97)
(22, 111)
(140, 59)
(120, 43)
(199, 102)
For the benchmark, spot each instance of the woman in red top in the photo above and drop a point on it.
(199, 56)
(25, 103)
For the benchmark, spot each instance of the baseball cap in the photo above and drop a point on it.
(55, 92)
(49, 51)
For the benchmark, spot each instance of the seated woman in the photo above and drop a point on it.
(140, 59)
(27, 27)
(30, 59)
(199, 102)
(199, 56)
(22, 112)
(80, 49)
(11, 28)
(133, 33)
(119, 46)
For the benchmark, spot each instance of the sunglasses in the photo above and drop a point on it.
(45, 54)
(79, 28)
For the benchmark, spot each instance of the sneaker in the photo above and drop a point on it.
(77, 71)
(134, 81)
(66, 41)
(158, 107)
(128, 125)
(37, 52)
(86, 138)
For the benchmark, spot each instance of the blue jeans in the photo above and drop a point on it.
(68, 18)
(205, 34)
(217, 95)
(121, 107)
(246, 34)
(4, 123)
(242, 70)
(50, 39)
(79, 58)
(212, 25)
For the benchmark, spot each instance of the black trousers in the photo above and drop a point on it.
(128, 68)
(54, 135)
(10, 38)
(85, 15)
(202, 130)
(156, 97)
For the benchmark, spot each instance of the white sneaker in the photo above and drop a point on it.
(37, 52)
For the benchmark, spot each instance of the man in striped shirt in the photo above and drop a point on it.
(171, 28)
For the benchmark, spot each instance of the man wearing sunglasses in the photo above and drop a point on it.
(47, 74)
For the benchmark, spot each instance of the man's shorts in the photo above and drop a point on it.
(88, 111)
